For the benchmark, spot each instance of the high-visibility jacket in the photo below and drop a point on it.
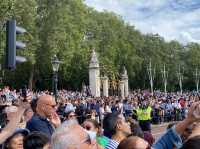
(144, 114)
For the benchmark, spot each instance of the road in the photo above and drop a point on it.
(158, 130)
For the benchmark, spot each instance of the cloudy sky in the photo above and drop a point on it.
(172, 19)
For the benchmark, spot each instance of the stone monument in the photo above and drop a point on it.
(124, 78)
(121, 86)
(105, 85)
(94, 75)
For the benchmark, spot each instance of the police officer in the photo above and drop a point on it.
(144, 116)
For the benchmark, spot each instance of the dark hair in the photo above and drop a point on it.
(36, 140)
(128, 143)
(94, 122)
(193, 143)
(23, 132)
(109, 124)
(34, 104)
(66, 114)
(136, 130)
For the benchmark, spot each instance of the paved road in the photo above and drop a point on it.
(158, 130)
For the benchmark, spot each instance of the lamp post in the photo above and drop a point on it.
(55, 65)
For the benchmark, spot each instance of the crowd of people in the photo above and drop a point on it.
(76, 120)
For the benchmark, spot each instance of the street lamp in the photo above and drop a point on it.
(55, 65)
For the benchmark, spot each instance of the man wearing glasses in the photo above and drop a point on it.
(45, 119)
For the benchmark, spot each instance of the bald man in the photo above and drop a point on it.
(45, 119)
(133, 143)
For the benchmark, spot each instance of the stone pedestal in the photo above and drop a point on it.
(125, 80)
(94, 78)
(121, 86)
(126, 88)
(105, 86)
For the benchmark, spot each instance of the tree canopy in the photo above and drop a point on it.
(71, 30)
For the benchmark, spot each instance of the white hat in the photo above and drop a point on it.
(69, 107)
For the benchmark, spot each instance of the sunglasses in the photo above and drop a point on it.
(87, 127)
(53, 106)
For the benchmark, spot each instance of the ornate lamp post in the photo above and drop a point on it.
(55, 65)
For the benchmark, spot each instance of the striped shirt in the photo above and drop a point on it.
(112, 144)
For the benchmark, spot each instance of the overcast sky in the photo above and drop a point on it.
(172, 19)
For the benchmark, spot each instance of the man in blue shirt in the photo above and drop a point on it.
(172, 137)
(169, 140)
(45, 119)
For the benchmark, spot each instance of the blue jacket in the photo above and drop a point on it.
(168, 140)
(38, 123)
